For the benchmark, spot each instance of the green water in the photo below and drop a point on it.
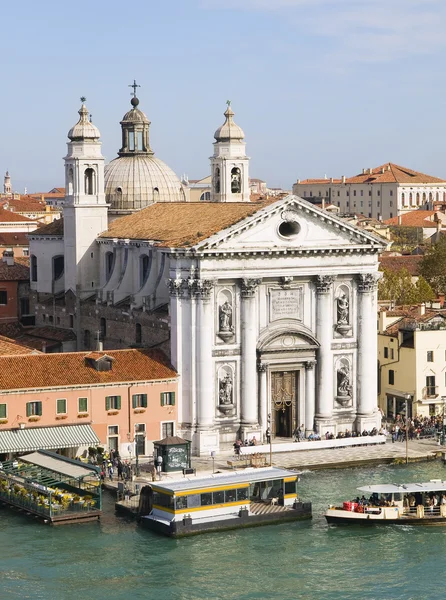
(115, 560)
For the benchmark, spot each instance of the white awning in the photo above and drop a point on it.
(60, 465)
(47, 438)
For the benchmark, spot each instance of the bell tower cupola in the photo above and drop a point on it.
(135, 129)
(229, 164)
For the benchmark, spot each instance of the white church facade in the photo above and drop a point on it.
(267, 309)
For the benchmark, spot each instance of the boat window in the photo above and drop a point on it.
(242, 494)
(219, 497)
(397, 497)
(230, 495)
(162, 500)
(206, 499)
(194, 501)
(181, 502)
(290, 487)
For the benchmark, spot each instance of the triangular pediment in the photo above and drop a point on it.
(291, 223)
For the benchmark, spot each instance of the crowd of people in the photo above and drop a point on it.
(417, 427)
(111, 464)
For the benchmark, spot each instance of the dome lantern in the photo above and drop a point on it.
(84, 128)
(135, 129)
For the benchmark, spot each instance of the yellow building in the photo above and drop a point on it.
(412, 361)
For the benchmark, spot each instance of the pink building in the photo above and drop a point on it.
(118, 399)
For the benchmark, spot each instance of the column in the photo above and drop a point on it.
(310, 396)
(367, 392)
(324, 334)
(205, 373)
(249, 412)
(263, 396)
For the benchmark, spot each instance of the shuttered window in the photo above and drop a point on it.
(33, 409)
(61, 407)
(139, 400)
(167, 398)
(113, 403)
(2, 411)
(82, 405)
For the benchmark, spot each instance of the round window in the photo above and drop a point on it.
(289, 229)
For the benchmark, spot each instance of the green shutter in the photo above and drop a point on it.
(135, 401)
(162, 402)
(39, 409)
(118, 402)
(107, 402)
(2, 411)
(144, 401)
(83, 405)
(61, 406)
(172, 398)
(28, 409)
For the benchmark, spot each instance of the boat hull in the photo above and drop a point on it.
(337, 518)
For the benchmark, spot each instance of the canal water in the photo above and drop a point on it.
(116, 560)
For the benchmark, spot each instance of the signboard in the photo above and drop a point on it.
(286, 304)
(176, 458)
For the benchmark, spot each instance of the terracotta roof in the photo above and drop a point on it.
(52, 333)
(395, 263)
(9, 238)
(411, 316)
(387, 173)
(180, 224)
(54, 228)
(414, 218)
(71, 368)
(19, 271)
(7, 216)
(26, 204)
(11, 347)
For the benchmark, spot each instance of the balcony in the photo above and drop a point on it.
(430, 391)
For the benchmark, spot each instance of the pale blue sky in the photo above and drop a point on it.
(319, 86)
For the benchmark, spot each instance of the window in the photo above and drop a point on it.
(113, 403)
(430, 356)
(57, 320)
(290, 487)
(113, 437)
(138, 333)
(378, 193)
(348, 193)
(139, 140)
(167, 430)
(354, 192)
(3, 297)
(391, 193)
(362, 192)
(139, 401)
(25, 251)
(89, 179)
(305, 194)
(391, 203)
(339, 193)
(362, 203)
(206, 196)
(386, 352)
(58, 267)
(82, 405)
(391, 377)
(71, 317)
(144, 264)
(50, 318)
(33, 267)
(61, 406)
(167, 398)
(392, 353)
(3, 413)
(131, 140)
(391, 215)
(430, 386)
(33, 409)
(370, 192)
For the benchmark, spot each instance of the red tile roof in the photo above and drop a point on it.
(387, 173)
(11, 347)
(9, 238)
(414, 218)
(6, 216)
(19, 271)
(55, 228)
(71, 368)
(395, 263)
(412, 316)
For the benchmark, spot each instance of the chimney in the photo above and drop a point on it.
(422, 309)
(323, 203)
(383, 170)
(388, 167)
(298, 181)
(99, 344)
(400, 219)
(8, 257)
(343, 179)
(370, 171)
(382, 321)
(331, 180)
(44, 347)
(364, 171)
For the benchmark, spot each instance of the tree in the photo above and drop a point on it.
(433, 266)
(397, 286)
(425, 292)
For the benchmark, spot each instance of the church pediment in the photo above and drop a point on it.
(291, 223)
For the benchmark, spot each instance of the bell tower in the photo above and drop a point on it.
(7, 188)
(229, 164)
(85, 208)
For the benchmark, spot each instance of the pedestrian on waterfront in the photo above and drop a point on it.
(110, 471)
(237, 446)
(120, 470)
(102, 475)
(268, 435)
(296, 434)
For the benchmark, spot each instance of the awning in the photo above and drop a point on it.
(70, 468)
(47, 438)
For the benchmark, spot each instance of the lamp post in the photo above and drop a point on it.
(159, 460)
(407, 397)
(270, 440)
(443, 430)
(213, 461)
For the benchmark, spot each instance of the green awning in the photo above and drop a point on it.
(47, 438)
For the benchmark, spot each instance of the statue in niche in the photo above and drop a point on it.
(236, 181)
(344, 385)
(342, 309)
(225, 317)
(225, 391)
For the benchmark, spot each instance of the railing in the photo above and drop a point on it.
(430, 391)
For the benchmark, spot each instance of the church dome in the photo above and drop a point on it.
(84, 128)
(229, 130)
(134, 182)
(137, 178)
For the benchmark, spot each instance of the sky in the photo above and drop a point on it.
(320, 87)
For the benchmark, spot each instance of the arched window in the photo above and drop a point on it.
(156, 194)
(58, 267)
(403, 198)
(138, 333)
(143, 269)
(33, 267)
(431, 196)
(70, 181)
(424, 197)
(236, 180)
(217, 180)
(103, 328)
(109, 259)
(89, 177)
(418, 199)
(410, 198)
(205, 197)
(87, 339)
(437, 196)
